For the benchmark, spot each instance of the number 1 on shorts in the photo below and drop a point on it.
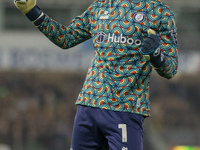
(124, 132)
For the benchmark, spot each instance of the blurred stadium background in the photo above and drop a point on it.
(39, 82)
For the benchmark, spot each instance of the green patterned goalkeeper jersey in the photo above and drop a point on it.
(118, 77)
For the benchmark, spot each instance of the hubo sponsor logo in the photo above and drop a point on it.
(117, 39)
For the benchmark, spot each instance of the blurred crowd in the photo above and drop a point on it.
(175, 109)
(37, 109)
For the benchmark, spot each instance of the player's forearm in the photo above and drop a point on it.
(63, 36)
(55, 32)
(169, 47)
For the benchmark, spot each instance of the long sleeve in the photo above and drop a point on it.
(67, 36)
(169, 46)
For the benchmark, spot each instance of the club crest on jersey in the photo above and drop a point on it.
(101, 36)
(139, 17)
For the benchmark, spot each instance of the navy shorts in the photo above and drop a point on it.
(100, 129)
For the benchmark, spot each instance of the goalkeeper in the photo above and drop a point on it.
(130, 38)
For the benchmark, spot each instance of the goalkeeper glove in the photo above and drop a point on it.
(151, 51)
(31, 10)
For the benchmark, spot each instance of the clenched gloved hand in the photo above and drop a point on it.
(150, 49)
(31, 10)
